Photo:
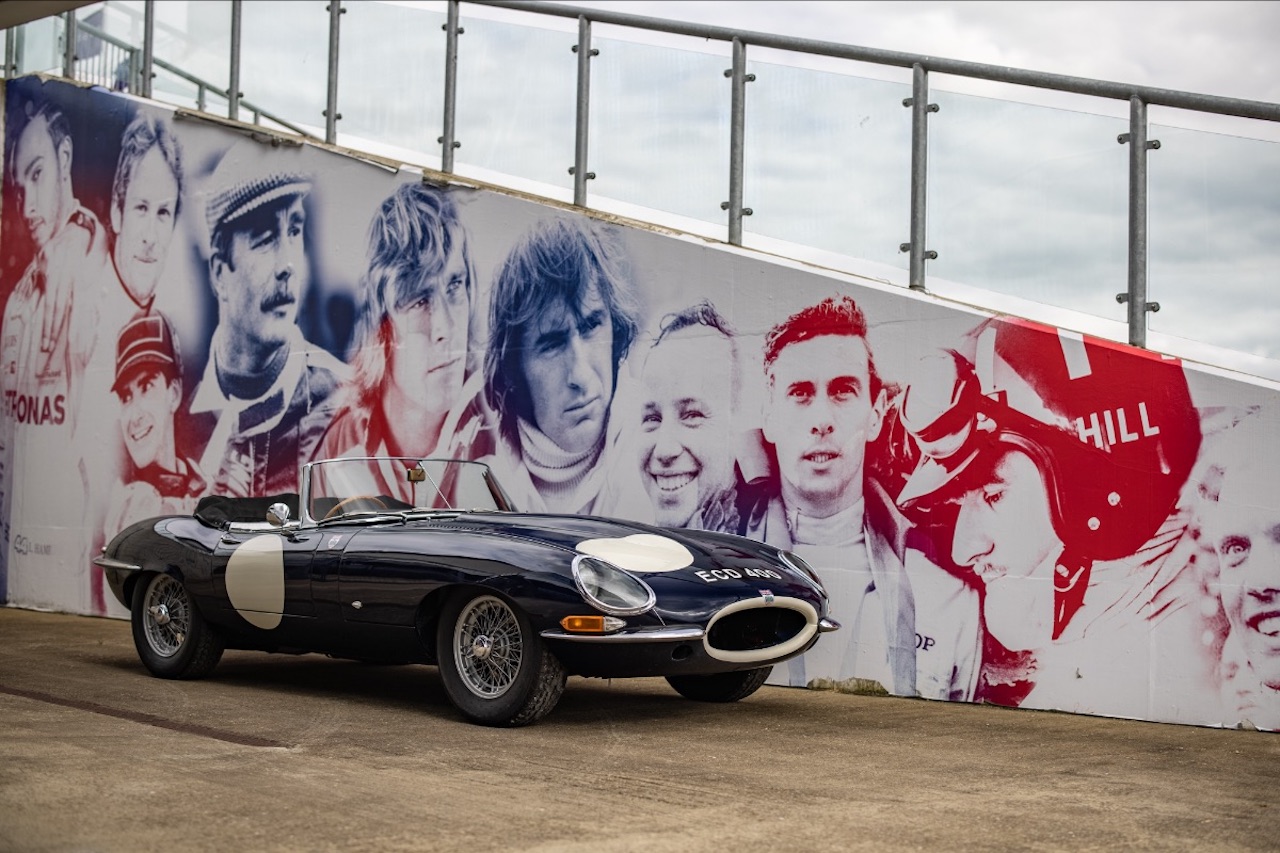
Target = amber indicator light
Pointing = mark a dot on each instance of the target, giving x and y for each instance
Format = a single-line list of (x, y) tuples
[(583, 624)]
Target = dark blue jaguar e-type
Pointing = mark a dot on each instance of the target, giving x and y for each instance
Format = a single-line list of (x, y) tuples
[(411, 560)]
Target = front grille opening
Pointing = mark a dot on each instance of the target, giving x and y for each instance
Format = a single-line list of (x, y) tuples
[(754, 629)]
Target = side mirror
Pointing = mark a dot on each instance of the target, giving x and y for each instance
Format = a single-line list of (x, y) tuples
[(278, 514)]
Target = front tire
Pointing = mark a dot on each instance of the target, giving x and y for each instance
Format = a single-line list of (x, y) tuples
[(169, 633), (495, 668), (721, 687)]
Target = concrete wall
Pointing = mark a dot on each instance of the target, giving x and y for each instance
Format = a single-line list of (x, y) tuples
[(1001, 511)]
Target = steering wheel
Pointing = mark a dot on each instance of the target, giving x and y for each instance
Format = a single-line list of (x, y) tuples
[(341, 505)]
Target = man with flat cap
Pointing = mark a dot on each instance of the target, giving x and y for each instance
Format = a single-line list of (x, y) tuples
[(157, 480), (266, 389)]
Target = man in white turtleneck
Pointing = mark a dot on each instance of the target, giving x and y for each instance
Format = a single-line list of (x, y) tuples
[(825, 404), (562, 319)]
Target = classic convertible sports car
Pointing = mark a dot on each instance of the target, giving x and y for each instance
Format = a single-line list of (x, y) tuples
[(418, 560)]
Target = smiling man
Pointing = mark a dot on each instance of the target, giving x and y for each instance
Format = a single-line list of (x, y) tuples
[(688, 421), (1238, 521), (146, 198), (562, 319), (267, 390), (149, 385)]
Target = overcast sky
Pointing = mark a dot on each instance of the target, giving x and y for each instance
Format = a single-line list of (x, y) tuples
[(1213, 48)]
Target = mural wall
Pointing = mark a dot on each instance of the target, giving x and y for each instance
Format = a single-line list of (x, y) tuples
[(1001, 511)]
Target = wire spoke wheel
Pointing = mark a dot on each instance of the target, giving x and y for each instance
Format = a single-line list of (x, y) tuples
[(495, 668), (169, 632), (488, 647), (166, 616)]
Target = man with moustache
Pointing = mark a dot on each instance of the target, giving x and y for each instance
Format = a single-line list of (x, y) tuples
[(413, 388), (266, 393), (562, 320), (688, 421), (826, 403)]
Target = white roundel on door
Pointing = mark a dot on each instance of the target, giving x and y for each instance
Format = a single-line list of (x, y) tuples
[(255, 581)]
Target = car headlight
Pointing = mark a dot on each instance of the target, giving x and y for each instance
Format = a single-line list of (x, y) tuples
[(796, 563), (609, 588)]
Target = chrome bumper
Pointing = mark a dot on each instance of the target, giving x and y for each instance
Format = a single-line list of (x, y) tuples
[(105, 562), (664, 634)]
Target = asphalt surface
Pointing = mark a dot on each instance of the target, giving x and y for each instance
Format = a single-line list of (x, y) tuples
[(278, 752)]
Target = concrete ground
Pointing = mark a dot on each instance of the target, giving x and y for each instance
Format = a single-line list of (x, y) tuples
[(306, 753)]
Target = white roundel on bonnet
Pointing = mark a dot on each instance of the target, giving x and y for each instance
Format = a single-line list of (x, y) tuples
[(255, 581), (642, 552)]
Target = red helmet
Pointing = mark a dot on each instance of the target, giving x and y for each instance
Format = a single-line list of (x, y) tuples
[(1111, 429)]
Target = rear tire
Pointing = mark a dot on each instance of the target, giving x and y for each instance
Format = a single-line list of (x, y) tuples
[(721, 687), (169, 633), (495, 668)]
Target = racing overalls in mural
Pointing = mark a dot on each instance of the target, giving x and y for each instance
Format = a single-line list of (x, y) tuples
[(359, 431), (907, 642), (255, 444), (45, 347)]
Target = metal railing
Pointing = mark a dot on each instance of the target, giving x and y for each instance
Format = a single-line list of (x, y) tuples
[(1138, 98), (120, 66)]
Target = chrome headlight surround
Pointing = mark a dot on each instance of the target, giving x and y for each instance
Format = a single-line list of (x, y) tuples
[(599, 579), (797, 564)]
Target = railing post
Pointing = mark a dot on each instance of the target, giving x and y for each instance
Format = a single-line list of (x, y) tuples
[(11, 51), (148, 46), (920, 109), (69, 44), (446, 140), (1136, 295), (135, 69), (233, 89), (737, 135), (582, 129), (331, 114)]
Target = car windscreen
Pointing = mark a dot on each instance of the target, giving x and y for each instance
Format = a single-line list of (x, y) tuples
[(343, 487)]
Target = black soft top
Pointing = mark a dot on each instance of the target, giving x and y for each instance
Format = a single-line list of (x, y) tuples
[(221, 512)]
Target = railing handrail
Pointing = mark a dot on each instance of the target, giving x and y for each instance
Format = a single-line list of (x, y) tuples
[(1137, 97), (1150, 95), (193, 79), (104, 36)]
